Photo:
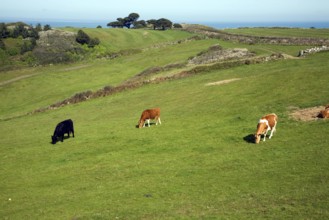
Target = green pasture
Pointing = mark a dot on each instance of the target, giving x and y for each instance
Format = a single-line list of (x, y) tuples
[(116, 39), (282, 32), (63, 81), (198, 164)]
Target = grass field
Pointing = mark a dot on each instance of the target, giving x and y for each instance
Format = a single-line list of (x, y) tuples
[(282, 32), (121, 39), (199, 164)]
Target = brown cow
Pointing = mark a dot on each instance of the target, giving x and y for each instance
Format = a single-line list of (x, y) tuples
[(265, 124), (149, 114)]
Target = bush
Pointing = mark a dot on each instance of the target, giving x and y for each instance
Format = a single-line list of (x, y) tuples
[(29, 59), (93, 42), (176, 25), (83, 38), (28, 46)]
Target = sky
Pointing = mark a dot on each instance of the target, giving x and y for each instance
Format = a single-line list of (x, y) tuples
[(174, 10)]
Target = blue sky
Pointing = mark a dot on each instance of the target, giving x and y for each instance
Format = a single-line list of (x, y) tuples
[(174, 10)]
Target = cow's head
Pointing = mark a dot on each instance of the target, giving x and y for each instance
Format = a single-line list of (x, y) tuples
[(140, 123), (53, 139), (257, 138)]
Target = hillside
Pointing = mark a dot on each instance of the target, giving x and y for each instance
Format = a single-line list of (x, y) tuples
[(200, 163)]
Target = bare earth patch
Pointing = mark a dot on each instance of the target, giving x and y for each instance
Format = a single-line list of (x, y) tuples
[(222, 82), (307, 114)]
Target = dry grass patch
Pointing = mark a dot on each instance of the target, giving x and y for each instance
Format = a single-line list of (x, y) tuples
[(222, 82), (306, 114)]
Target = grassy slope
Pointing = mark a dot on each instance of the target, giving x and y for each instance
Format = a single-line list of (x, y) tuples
[(62, 81), (195, 165), (122, 39), (59, 82), (282, 32)]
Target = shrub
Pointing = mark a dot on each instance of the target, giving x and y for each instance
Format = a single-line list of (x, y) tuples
[(93, 42), (176, 25), (28, 46), (82, 37)]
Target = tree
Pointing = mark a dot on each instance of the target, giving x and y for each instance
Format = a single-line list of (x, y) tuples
[(4, 33), (115, 24), (132, 17), (38, 27), (139, 24), (163, 24), (152, 22), (46, 27), (124, 22), (19, 30)]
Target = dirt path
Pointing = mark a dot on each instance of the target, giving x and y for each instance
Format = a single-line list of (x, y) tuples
[(17, 78), (35, 74)]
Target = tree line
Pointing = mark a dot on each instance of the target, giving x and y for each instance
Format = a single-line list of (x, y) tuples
[(30, 35), (131, 21), (15, 30), (20, 29)]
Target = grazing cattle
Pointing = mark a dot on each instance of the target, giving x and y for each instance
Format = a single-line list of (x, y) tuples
[(149, 114), (265, 124), (64, 127)]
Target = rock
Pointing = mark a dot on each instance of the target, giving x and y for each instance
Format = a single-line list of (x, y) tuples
[(54, 46)]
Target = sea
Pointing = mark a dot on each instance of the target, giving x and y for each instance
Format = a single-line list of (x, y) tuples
[(217, 25)]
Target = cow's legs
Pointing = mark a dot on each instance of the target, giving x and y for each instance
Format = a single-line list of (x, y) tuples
[(148, 123), (273, 130), (158, 121), (266, 133)]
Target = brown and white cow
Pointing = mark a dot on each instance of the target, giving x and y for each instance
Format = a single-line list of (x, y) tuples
[(265, 124), (148, 115)]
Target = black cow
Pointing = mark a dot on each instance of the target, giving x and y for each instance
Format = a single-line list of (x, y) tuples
[(64, 127)]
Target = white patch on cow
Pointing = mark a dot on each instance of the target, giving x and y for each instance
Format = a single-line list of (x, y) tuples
[(148, 122), (268, 127), (264, 121)]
